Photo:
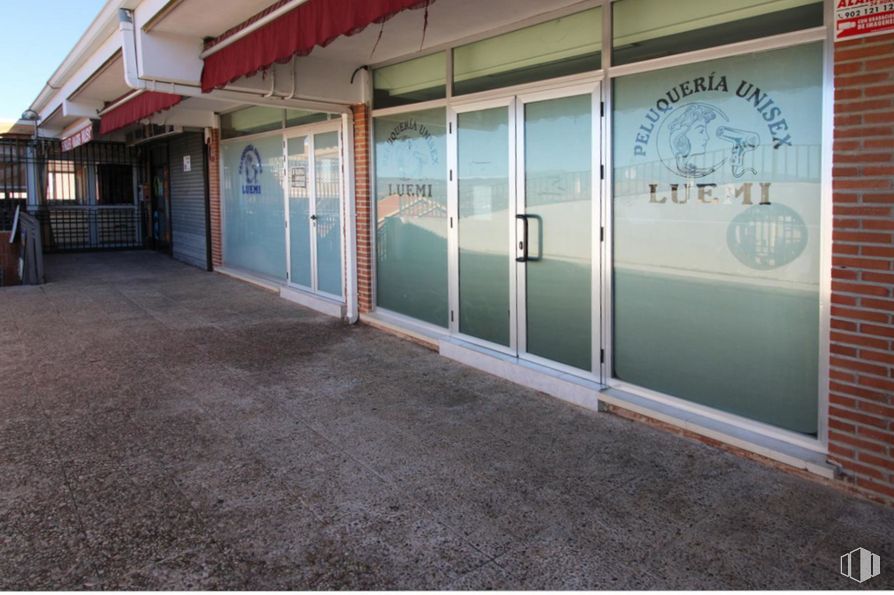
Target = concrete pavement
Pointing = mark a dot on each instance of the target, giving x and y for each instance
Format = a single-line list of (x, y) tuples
[(167, 428)]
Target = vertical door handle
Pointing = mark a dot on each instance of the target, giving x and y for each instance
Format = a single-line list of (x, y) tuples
[(523, 244)]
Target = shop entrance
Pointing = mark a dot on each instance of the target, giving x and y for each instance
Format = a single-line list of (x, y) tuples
[(159, 203), (314, 191), (525, 265)]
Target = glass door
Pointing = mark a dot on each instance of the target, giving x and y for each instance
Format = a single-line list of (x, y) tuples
[(314, 206), (485, 190), (299, 210), (555, 210), (526, 245), (326, 217)]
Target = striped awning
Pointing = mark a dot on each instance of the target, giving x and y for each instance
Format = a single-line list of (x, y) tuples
[(133, 110), (296, 33)]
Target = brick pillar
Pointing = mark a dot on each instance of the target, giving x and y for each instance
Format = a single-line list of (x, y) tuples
[(363, 207), (214, 197), (861, 390)]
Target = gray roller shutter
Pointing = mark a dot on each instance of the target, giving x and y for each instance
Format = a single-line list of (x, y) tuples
[(188, 221)]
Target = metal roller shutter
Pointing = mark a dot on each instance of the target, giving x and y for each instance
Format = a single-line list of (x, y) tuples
[(188, 220)]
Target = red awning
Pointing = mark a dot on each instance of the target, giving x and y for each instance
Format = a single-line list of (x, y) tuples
[(142, 106), (314, 23)]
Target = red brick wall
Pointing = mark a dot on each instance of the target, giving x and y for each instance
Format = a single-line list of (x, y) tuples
[(214, 196), (363, 207), (861, 390)]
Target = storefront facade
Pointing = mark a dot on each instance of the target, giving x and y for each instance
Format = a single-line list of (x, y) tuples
[(283, 201), (656, 227), (174, 192), (679, 211)]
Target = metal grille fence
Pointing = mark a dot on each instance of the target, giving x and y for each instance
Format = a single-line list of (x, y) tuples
[(8, 211), (85, 198)]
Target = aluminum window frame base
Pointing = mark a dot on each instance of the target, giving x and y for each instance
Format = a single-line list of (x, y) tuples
[(420, 332), (247, 277), (591, 395), (768, 447), (321, 304), (318, 303)]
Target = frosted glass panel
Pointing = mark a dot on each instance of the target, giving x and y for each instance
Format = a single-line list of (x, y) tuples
[(484, 221), (299, 211), (419, 79), (558, 202), (645, 29), (298, 117), (250, 120), (328, 212), (411, 214), (717, 233), (568, 45), (253, 217)]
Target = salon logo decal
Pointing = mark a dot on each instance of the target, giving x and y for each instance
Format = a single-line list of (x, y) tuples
[(250, 170), (698, 140), (414, 151), (695, 139)]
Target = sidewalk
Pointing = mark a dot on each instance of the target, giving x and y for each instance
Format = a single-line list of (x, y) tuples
[(166, 428)]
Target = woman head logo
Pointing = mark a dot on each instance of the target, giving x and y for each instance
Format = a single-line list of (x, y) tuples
[(250, 164), (689, 138), (687, 135)]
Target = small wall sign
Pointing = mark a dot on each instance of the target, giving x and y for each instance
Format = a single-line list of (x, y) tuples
[(187, 163), (298, 176), (861, 18), (81, 137)]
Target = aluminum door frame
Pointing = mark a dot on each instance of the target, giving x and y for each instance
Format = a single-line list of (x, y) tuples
[(515, 105), (309, 131), (594, 91), (453, 113)]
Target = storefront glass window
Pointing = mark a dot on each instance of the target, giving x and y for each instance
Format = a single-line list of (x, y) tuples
[(298, 117), (420, 79), (250, 120), (645, 29), (253, 214), (411, 214), (568, 45), (717, 233)]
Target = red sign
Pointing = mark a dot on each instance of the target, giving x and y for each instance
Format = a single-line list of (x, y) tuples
[(81, 137), (861, 18)]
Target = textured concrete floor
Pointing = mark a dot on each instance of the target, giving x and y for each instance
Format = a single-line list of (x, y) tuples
[(163, 427)]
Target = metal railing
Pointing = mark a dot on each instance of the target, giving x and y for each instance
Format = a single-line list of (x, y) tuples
[(69, 228)]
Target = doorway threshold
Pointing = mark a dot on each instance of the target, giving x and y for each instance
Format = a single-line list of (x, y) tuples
[(567, 387)]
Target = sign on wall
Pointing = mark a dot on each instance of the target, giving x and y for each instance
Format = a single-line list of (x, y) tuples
[(861, 18), (81, 137), (298, 177)]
